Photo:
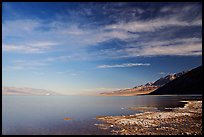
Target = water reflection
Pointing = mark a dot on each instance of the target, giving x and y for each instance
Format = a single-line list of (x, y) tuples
[(45, 114)]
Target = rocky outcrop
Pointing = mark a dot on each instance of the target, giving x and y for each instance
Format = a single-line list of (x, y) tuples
[(179, 121)]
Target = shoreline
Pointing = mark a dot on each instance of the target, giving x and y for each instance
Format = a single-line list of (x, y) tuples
[(185, 120), (197, 95)]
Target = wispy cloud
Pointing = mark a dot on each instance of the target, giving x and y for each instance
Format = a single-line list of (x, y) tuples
[(27, 27), (58, 58), (124, 65), (175, 47), (116, 31), (178, 9), (41, 36), (36, 64), (179, 47), (68, 73), (26, 65), (152, 25), (71, 36)]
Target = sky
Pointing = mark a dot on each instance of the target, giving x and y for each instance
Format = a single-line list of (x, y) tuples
[(81, 48)]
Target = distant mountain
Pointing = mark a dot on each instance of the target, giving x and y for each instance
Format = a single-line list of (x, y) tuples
[(187, 83), (25, 91), (139, 90)]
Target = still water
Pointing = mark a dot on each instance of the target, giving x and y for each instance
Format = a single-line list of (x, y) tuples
[(44, 115)]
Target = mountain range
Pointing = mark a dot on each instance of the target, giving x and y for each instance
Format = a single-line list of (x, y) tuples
[(185, 82)]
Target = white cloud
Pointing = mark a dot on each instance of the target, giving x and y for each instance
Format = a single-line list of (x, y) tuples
[(26, 65), (71, 36), (124, 65)]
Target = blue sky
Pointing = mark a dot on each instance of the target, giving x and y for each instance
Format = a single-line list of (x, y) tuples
[(80, 48)]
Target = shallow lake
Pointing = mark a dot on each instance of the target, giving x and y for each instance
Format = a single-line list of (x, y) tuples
[(44, 115)]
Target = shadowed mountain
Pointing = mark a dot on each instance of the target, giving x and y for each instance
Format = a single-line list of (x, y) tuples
[(188, 83)]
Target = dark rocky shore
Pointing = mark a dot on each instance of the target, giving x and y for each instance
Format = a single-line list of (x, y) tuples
[(178, 121)]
